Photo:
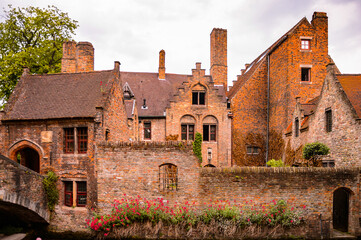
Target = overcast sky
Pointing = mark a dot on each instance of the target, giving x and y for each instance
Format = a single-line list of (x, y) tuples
[(134, 31)]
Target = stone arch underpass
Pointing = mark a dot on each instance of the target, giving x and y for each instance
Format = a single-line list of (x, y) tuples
[(22, 197)]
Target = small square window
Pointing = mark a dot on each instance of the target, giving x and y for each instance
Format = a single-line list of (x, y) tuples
[(253, 150), (305, 74), (328, 163), (198, 98), (305, 44)]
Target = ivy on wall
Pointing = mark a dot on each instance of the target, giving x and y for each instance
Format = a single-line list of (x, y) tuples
[(240, 143), (197, 146), (52, 193)]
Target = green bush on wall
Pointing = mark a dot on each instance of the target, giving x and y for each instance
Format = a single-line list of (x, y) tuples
[(197, 146), (312, 150), (52, 193)]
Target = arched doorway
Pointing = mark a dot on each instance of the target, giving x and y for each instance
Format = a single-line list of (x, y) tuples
[(341, 209), (29, 158)]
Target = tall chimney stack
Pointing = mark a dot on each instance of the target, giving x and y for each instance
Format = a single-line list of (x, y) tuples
[(161, 69), (219, 56), (68, 62), (84, 57)]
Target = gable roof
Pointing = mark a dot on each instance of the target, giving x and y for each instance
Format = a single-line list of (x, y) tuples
[(157, 93), (64, 95), (351, 84), (261, 59)]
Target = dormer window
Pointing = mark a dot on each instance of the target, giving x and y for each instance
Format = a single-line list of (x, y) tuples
[(305, 44), (198, 98)]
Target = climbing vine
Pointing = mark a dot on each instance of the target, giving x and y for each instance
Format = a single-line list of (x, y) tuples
[(197, 146), (52, 193)]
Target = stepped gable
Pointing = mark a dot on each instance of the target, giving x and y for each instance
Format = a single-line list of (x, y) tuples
[(351, 84), (259, 60), (66, 95), (155, 92)]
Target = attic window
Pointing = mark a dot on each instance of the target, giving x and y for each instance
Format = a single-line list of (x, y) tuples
[(305, 44), (198, 98)]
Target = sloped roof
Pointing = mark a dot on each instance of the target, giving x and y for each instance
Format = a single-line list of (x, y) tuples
[(259, 60), (65, 95), (157, 93), (309, 107), (351, 84)]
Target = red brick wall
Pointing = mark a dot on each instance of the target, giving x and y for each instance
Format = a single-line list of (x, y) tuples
[(133, 169), (249, 108)]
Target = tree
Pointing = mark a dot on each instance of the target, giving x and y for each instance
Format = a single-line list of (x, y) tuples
[(311, 151), (31, 37)]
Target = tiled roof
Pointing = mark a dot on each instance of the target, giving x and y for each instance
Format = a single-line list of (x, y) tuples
[(259, 60), (351, 84), (309, 107), (157, 93), (66, 95)]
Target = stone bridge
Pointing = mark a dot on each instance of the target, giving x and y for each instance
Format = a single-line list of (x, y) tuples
[(22, 196)]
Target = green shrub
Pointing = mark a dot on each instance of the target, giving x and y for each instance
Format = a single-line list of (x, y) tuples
[(276, 163), (52, 193), (312, 150), (197, 146)]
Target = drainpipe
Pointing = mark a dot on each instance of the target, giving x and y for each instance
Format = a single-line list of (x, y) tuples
[(268, 103)]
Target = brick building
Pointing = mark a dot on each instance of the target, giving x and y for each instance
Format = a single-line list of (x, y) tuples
[(162, 106), (52, 122), (332, 118), (263, 97)]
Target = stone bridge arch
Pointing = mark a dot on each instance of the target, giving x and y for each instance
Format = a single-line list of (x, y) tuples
[(22, 196)]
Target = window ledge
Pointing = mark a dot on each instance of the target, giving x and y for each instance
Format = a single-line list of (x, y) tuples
[(78, 209), (305, 50), (305, 82)]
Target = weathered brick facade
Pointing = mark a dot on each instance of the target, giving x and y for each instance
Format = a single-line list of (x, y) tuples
[(344, 138), (38, 134), (263, 98), (214, 111)]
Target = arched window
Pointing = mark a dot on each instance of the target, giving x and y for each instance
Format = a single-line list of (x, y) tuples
[(168, 177), (210, 129), (29, 158), (187, 127)]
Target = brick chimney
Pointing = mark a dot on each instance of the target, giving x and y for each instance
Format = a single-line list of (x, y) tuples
[(219, 67), (161, 69), (77, 57), (320, 23), (84, 57), (68, 62)]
